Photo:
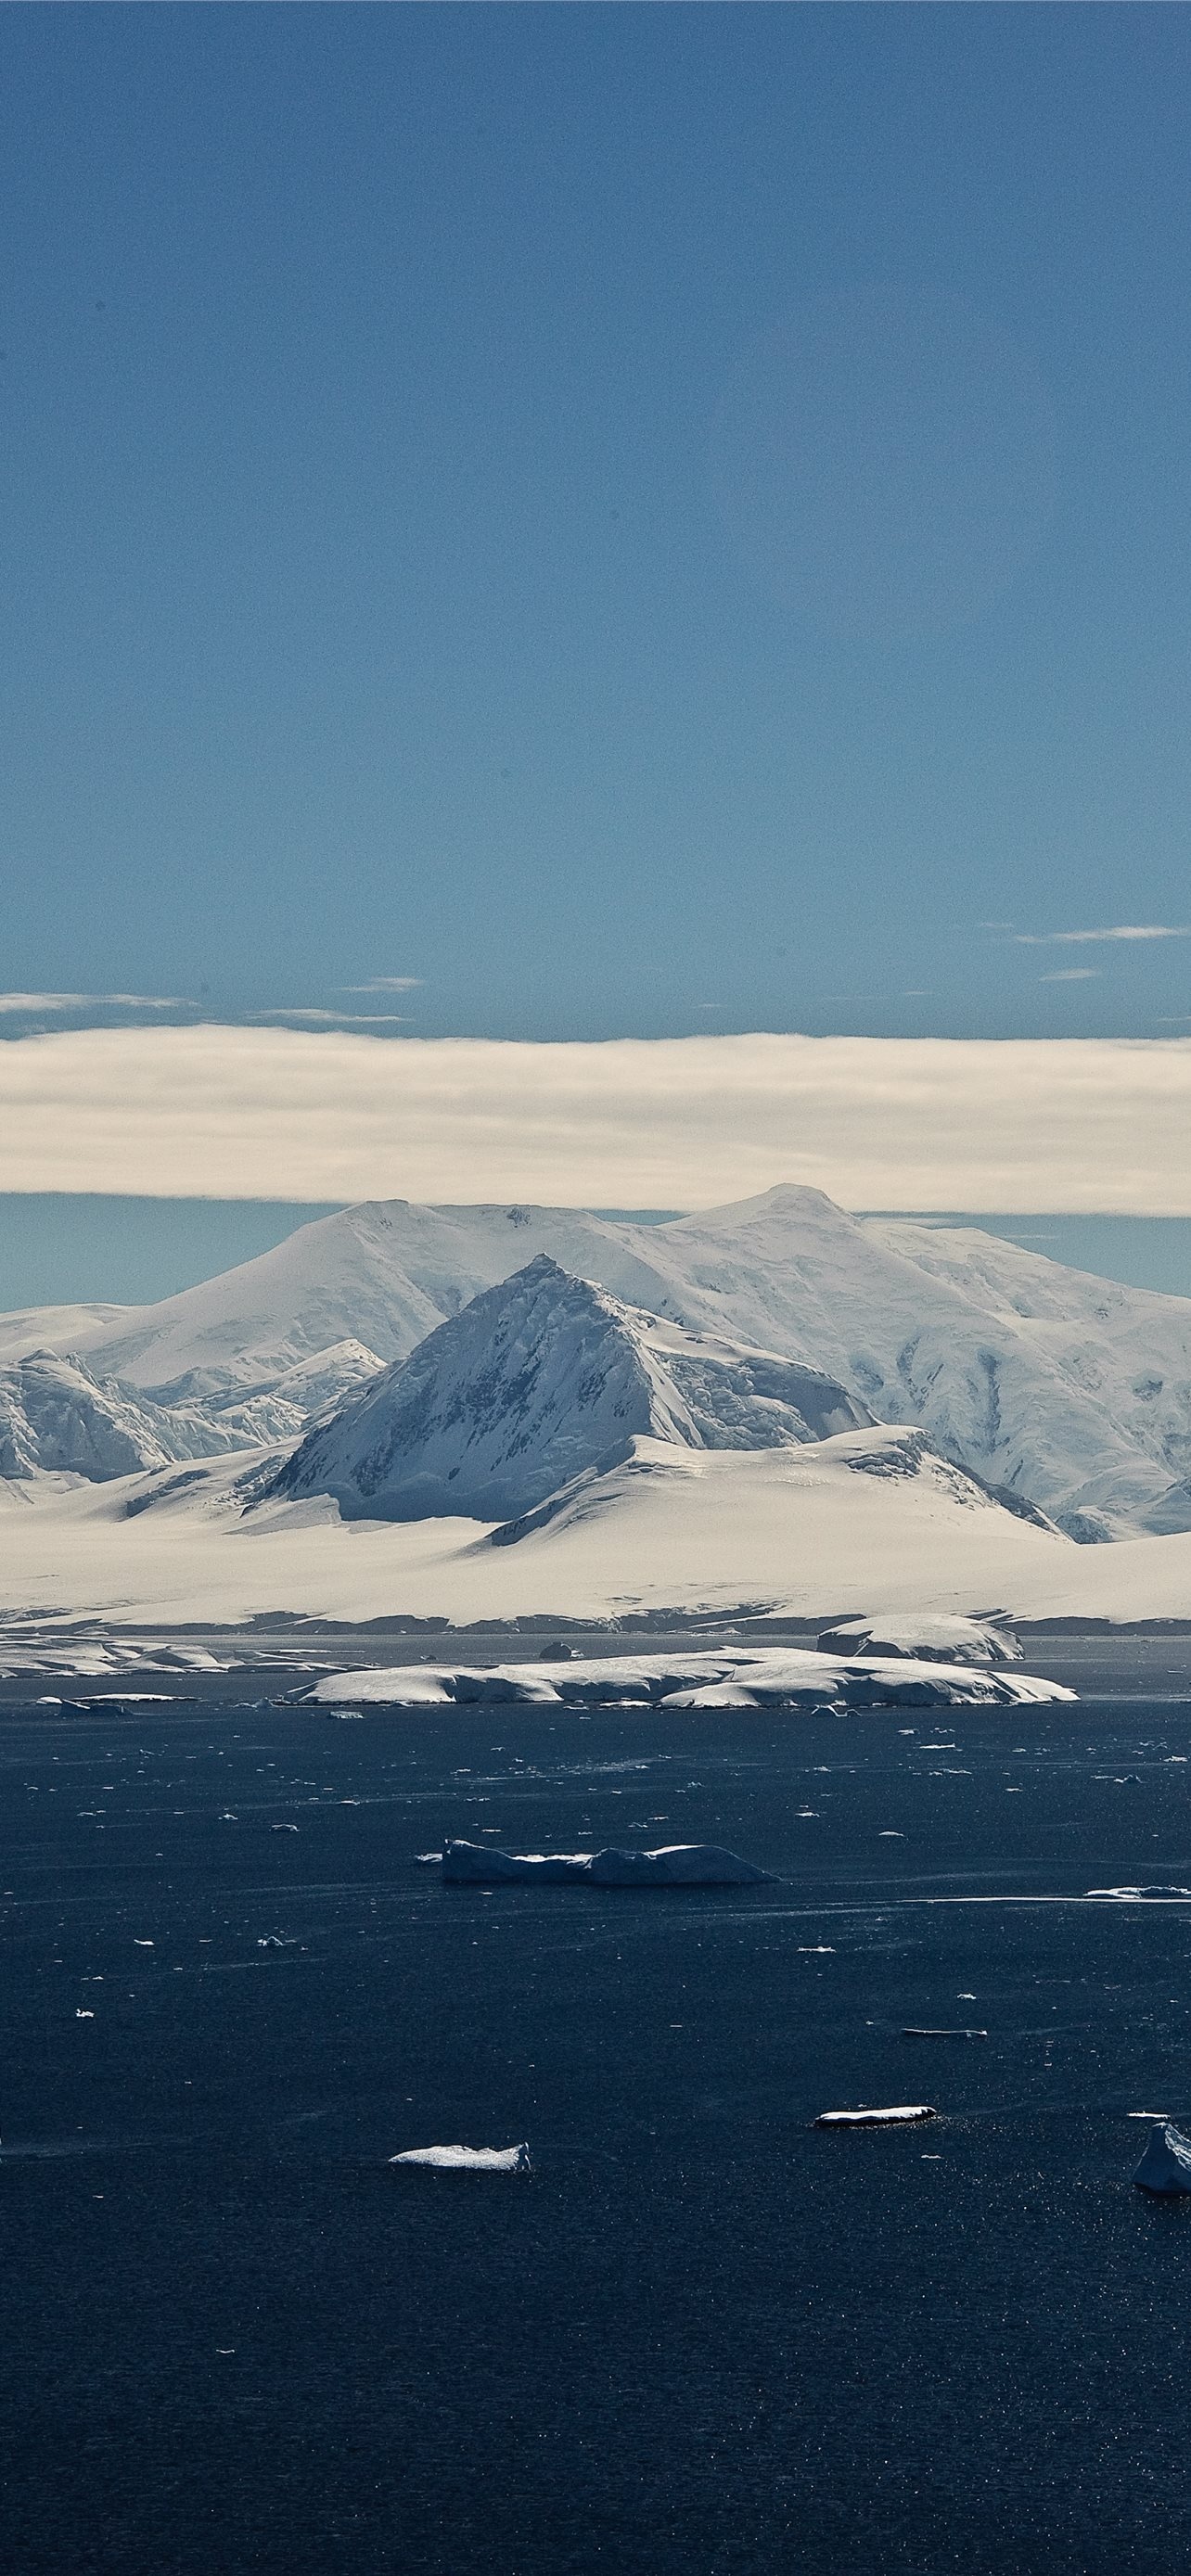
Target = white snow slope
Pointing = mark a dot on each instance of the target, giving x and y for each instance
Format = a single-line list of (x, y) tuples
[(1069, 1389), (867, 1520), (869, 1523), (538, 1380)]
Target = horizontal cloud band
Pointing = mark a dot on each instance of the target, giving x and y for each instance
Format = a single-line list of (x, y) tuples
[(1081, 1125)]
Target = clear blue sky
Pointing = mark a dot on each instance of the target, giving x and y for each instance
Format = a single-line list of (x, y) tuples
[(642, 518)]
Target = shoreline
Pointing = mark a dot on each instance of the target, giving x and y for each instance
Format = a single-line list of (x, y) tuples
[(266, 1658)]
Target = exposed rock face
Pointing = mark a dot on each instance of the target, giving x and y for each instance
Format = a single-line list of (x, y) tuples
[(537, 1381)]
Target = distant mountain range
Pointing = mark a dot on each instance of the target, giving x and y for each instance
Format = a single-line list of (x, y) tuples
[(778, 1319)]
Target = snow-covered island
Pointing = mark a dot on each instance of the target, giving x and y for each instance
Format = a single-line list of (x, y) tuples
[(740, 1677)]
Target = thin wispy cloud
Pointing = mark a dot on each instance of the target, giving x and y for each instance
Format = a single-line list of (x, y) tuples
[(333, 1019), (1075, 1125), (1125, 930), (1073, 975), (98, 1007), (29, 1005), (384, 984)]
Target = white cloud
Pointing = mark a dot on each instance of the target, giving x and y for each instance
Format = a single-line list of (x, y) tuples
[(38, 1005), (1016, 1124), (1073, 975), (1092, 938)]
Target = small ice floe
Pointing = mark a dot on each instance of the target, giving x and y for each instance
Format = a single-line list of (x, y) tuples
[(674, 1865), (1166, 2164), (468, 2159), (1136, 1895), (899, 2116), (428, 1860), (81, 2013), (915, 2030), (283, 1829)]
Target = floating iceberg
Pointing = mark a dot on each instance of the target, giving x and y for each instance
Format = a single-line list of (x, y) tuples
[(898, 2117), (1166, 2164), (1138, 1895), (468, 2159), (674, 1865)]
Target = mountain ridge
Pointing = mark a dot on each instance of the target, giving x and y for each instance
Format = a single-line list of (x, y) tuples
[(1045, 1381)]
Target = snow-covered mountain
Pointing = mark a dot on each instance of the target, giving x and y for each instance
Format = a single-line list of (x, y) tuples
[(1071, 1390), (539, 1380), (57, 1418)]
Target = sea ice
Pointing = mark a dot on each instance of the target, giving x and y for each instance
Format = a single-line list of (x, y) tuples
[(915, 2030)]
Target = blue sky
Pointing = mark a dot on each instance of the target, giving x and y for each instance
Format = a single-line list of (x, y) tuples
[(643, 519), (579, 523)]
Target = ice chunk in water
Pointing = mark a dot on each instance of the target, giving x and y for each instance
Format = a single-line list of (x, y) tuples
[(468, 2159), (1166, 2164), (894, 2118)]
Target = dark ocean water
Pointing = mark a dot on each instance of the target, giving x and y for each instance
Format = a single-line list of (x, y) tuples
[(700, 2335)]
